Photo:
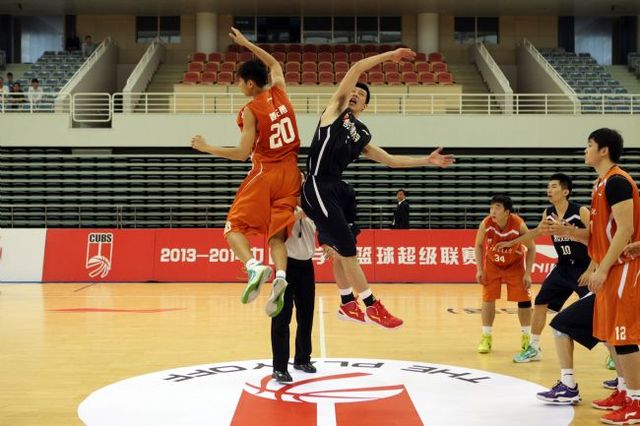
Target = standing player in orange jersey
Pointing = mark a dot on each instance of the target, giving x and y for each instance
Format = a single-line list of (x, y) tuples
[(266, 200), (503, 265)]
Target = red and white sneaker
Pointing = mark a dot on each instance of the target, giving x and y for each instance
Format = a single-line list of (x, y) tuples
[(351, 312), (615, 401), (627, 415), (379, 315)]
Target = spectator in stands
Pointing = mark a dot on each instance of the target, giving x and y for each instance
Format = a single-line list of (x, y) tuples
[(88, 46), (3, 92), (401, 212), (72, 43), (10, 81), (35, 94), (16, 97)]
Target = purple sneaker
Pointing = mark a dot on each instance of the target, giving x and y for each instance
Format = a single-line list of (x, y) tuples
[(560, 394), (610, 384)]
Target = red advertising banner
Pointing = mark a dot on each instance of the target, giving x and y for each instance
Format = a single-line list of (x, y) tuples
[(178, 255), (98, 255)]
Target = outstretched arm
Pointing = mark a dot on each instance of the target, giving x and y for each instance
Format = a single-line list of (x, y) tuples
[(277, 76), (379, 155), (340, 98), (240, 152)]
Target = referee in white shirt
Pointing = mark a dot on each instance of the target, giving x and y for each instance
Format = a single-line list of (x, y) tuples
[(301, 291)]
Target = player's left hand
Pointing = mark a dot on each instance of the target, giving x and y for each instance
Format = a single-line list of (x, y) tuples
[(198, 143), (596, 280), (632, 249), (527, 281), (401, 54), (238, 37), (441, 160)]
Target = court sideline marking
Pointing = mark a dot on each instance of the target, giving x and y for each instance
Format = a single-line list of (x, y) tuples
[(323, 343)]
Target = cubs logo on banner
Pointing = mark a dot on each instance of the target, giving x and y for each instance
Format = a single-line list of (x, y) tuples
[(344, 392), (99, 255)]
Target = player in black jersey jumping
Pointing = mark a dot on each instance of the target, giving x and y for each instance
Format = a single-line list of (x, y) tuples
[(573, 260), (338, 141)]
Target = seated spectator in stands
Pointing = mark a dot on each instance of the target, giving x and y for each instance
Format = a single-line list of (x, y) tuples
[(88, 47), (16, 97), (72, 43), (10, 81), (35, 94)]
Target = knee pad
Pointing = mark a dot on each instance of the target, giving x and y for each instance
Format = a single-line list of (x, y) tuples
[(626, 349), (557, 333), (524, 305)]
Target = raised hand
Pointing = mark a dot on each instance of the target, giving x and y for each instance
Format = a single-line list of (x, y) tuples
[(402, 54), (441, 160), (238, 37), (198, 143)]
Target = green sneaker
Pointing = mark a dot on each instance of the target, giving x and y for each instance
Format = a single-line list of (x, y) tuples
[(525, 341), (485, 344), (528, 355), (276, 300), (258, 275), (611, 364)]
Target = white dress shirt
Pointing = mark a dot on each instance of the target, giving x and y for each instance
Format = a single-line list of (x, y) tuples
[(301, 244)]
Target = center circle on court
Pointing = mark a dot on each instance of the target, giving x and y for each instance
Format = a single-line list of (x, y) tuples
[(344, 391)]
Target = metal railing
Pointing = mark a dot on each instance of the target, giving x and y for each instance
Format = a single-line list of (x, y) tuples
[(100, 107)]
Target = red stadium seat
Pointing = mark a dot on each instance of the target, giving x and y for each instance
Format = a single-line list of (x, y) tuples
[(309, 57), (393, 78), (198, 57), (356, 48), (370, 48), (208, 77), (376, 78), (325, 57), (375, 68), (292, 77), (385, 48), (225, 78), (228, 67), (214, 57), (341, 66), (409, 78), (309, 78), (212, 67), (436, 57), (309, 67), (245, 56), (325, 48), (339, 48), (444, 78), (294, 48), (266, 47), (389, 67), (422, 67), (292, 67), (364, 77), (339, 76), (405, 66), (195, 66), (294, 56), (426, 78), (279, 48), (233, 48), (280, 56), (420, 57), (325, 67), (230, 57), (438, 67), (370, 54), (309, 48), (326, 78), (341, 57), (191, 77), (355, 56)]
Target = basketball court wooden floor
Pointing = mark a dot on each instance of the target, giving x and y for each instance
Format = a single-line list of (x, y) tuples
[(61, 342)]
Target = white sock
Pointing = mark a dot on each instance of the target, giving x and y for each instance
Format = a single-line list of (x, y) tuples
[(345, 291), (633, 393), (365, 294), (566, 377), (526, 329), (281, 274), (251, 263), (535, 341), (622, 385), (487, 329)]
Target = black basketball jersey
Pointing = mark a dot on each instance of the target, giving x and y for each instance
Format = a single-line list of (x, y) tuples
[(335, 146), (569, 251)]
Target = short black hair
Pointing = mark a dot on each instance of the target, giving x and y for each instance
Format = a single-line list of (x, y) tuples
[(34, 80), (254, 70), (403, 191), (364, 87), (608, 138), (503, 199), (564, 180), (9, 74)]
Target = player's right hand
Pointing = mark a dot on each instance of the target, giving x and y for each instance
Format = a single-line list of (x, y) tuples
[(583, 281), (632, 249), (480, 277), (198, 143), (401, 54), (238, 37)]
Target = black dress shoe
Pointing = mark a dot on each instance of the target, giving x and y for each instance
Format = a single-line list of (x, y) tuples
[(282, 377), (307, 367)]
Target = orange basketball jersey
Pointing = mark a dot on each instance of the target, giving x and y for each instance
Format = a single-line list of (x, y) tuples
[(603, 225), (277, 135), (494, 235)]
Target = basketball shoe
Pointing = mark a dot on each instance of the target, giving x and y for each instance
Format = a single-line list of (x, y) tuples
[(351, 311), (276, 299), (379, 315), (629, 414), (610, 384), (485, 344), (258, 275), (560, 394), (527, 355), (615, 401)]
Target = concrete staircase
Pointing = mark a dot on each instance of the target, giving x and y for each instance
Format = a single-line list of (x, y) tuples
[(162, 82), (472, 83), (626, 78)]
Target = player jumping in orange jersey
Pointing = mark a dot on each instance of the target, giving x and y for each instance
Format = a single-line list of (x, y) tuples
[(503, 265), (266, 200)]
